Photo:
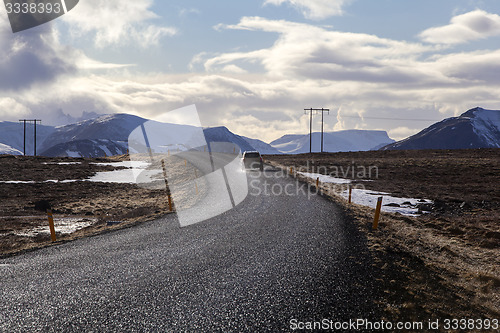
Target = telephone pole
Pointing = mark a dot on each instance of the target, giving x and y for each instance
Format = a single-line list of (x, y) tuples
[(311, 110), (322, 113), (34, 121)]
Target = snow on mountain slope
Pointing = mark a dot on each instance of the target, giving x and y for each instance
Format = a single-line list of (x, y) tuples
[(115, 127), (222, 134), (87, 148), (476, 128), (348, 140), (8, 150), (486, 125), (261, 146)]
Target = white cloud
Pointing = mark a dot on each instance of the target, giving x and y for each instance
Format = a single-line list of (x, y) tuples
[(470, 26), (234, 69), (10, 109), (314, 9), (307, 66), (116, 22), (402, 132), (306, 51)]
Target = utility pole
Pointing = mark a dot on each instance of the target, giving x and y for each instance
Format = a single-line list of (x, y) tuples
[(310, 127), (24, 144), (34, 121), (322, 113), (311, 110)]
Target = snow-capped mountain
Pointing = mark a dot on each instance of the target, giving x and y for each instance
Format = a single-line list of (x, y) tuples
[(109, 135), (8, 150), (476, 128), (348, 140), (115, 127)]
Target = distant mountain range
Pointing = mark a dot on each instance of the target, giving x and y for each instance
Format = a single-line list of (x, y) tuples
[(104, 135), (349, 140), (108, 135), (476, 128)]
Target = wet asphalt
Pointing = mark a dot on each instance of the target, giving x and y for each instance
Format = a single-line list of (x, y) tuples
[(283, 255)]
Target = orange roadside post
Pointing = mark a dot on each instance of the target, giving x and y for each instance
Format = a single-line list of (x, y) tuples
[(377, 213), (51, 225)]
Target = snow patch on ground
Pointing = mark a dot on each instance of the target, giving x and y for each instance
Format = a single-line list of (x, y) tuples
[(125, 176), (407, 206), (63, 163), (404, 206)]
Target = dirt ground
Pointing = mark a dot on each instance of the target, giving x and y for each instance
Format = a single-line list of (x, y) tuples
[(96, 206), (444, 263)]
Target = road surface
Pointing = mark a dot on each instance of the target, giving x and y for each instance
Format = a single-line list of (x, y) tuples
[(275, 258)]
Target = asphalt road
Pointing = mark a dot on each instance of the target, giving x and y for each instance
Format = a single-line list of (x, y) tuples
[(274, 258)]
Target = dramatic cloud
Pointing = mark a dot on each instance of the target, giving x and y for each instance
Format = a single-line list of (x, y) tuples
[(463, 28), (365, 80), (31, 57), (116, 22), (306, 51), (314, 9)]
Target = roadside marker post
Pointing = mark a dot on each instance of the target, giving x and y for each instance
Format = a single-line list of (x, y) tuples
[(195, 177), (377, 213), (317, 183), (51, 225), (169, 203), (166, 186), (350, 194)]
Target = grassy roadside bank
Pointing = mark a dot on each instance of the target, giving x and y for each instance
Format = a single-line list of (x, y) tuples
[(28, 184), (443, 264)]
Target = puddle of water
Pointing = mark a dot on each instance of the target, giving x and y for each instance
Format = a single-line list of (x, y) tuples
[(63, 225), (62, 163)]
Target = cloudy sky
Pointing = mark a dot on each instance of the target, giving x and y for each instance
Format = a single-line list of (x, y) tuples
[(253, 66)]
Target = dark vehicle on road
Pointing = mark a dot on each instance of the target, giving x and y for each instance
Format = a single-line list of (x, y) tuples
[(252, 160)]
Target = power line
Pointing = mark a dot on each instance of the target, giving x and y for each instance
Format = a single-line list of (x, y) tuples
[(384, 118), (311, 110)]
